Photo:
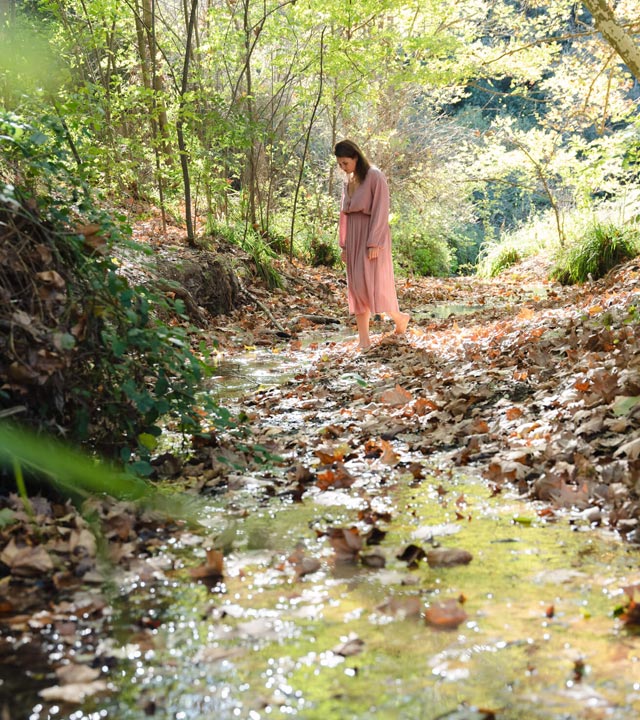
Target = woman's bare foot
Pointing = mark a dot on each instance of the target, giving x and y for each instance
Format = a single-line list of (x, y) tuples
[(401, 320)]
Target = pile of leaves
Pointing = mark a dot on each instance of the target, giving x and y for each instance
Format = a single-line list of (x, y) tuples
[(41, 324)]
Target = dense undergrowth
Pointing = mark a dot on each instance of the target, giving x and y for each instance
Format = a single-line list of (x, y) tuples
[(85, 353)]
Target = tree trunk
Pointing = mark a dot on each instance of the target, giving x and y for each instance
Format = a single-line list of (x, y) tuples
[(149, 21), (306, 144), (184, 158), (615, 34)]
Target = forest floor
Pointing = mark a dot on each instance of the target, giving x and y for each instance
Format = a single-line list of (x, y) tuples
[(533, 385)]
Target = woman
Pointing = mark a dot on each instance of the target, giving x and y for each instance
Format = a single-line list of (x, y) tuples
[(365, 241)]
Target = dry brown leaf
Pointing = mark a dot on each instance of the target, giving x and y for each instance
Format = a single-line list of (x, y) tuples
[(445, 615), (448, 557), (340, 478), (211, 569), (74, 673), (51, 277), (351, 646), (346, 543), (397, 397), (26, 560), (74, 693)]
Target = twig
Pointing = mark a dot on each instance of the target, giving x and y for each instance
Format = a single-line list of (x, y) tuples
[(263, 307)]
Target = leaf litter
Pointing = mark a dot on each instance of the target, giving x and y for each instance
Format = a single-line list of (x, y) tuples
[(538, 394)]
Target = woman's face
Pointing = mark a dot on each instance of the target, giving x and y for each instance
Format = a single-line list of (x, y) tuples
[(347, 164)]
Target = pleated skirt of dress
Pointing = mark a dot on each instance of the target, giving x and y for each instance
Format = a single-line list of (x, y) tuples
[(371, 283)]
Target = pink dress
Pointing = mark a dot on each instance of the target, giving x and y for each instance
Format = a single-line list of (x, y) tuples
[(364, 223)]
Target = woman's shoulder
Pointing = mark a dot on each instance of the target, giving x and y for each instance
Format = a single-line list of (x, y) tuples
[(375, 175), (376, 172)]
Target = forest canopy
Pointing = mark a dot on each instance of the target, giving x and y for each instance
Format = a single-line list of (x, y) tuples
[(483, 115)]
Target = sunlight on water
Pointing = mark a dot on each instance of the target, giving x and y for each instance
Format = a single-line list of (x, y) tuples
[(540, 639)]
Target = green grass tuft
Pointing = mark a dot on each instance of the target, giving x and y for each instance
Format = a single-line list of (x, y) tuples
[(602, 247)]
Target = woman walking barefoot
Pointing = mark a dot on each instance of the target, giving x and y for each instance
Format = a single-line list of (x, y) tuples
[(365, 242)]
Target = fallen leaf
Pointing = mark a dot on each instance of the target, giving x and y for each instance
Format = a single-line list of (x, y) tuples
[(74, 693), (303, 564), (26, 560), (346, 543), (339, 478), (397, 397), (402, 606), (351, 646), (412, 555), (212, 569), (448, 557), (51, 277), (76, 674), (446, 615)]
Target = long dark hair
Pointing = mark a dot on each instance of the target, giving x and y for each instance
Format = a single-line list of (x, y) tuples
[(347, 148)]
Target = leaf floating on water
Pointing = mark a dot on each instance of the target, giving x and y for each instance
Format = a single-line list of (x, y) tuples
[(445, 615), (212, 569), (303, 564), (375, 560), (346, 543), (353, 645), (402, 607), (412, 555), (448, 557)]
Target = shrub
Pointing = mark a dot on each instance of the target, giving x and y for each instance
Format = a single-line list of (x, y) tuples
[(323, 251), (601, 248), (89, 356), (432, 258), (502, 258)]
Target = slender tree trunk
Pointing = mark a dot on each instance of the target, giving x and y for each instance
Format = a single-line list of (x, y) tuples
[(306, 143), (149, 21), (154, 121), (184, 158), (615, 34), (252, 160)]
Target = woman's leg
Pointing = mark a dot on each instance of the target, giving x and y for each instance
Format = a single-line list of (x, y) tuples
[(401, 320), (362, 321)]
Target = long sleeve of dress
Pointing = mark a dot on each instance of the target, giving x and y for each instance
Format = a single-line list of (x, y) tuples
[(342, 223), (379, 233)]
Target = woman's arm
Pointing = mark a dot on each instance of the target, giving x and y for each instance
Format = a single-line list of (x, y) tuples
[(379, 234)]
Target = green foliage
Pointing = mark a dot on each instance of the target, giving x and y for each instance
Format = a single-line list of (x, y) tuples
[(258, 247), (536, 237), (125, 364), (324, 251), (501, 257), (415, 250), (66, 469), (601, 248)]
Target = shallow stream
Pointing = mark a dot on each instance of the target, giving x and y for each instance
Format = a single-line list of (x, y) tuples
[(349, 640), (540, 639)]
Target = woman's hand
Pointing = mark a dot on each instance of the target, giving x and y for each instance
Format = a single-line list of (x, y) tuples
[(343, 254), (373, 253)]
